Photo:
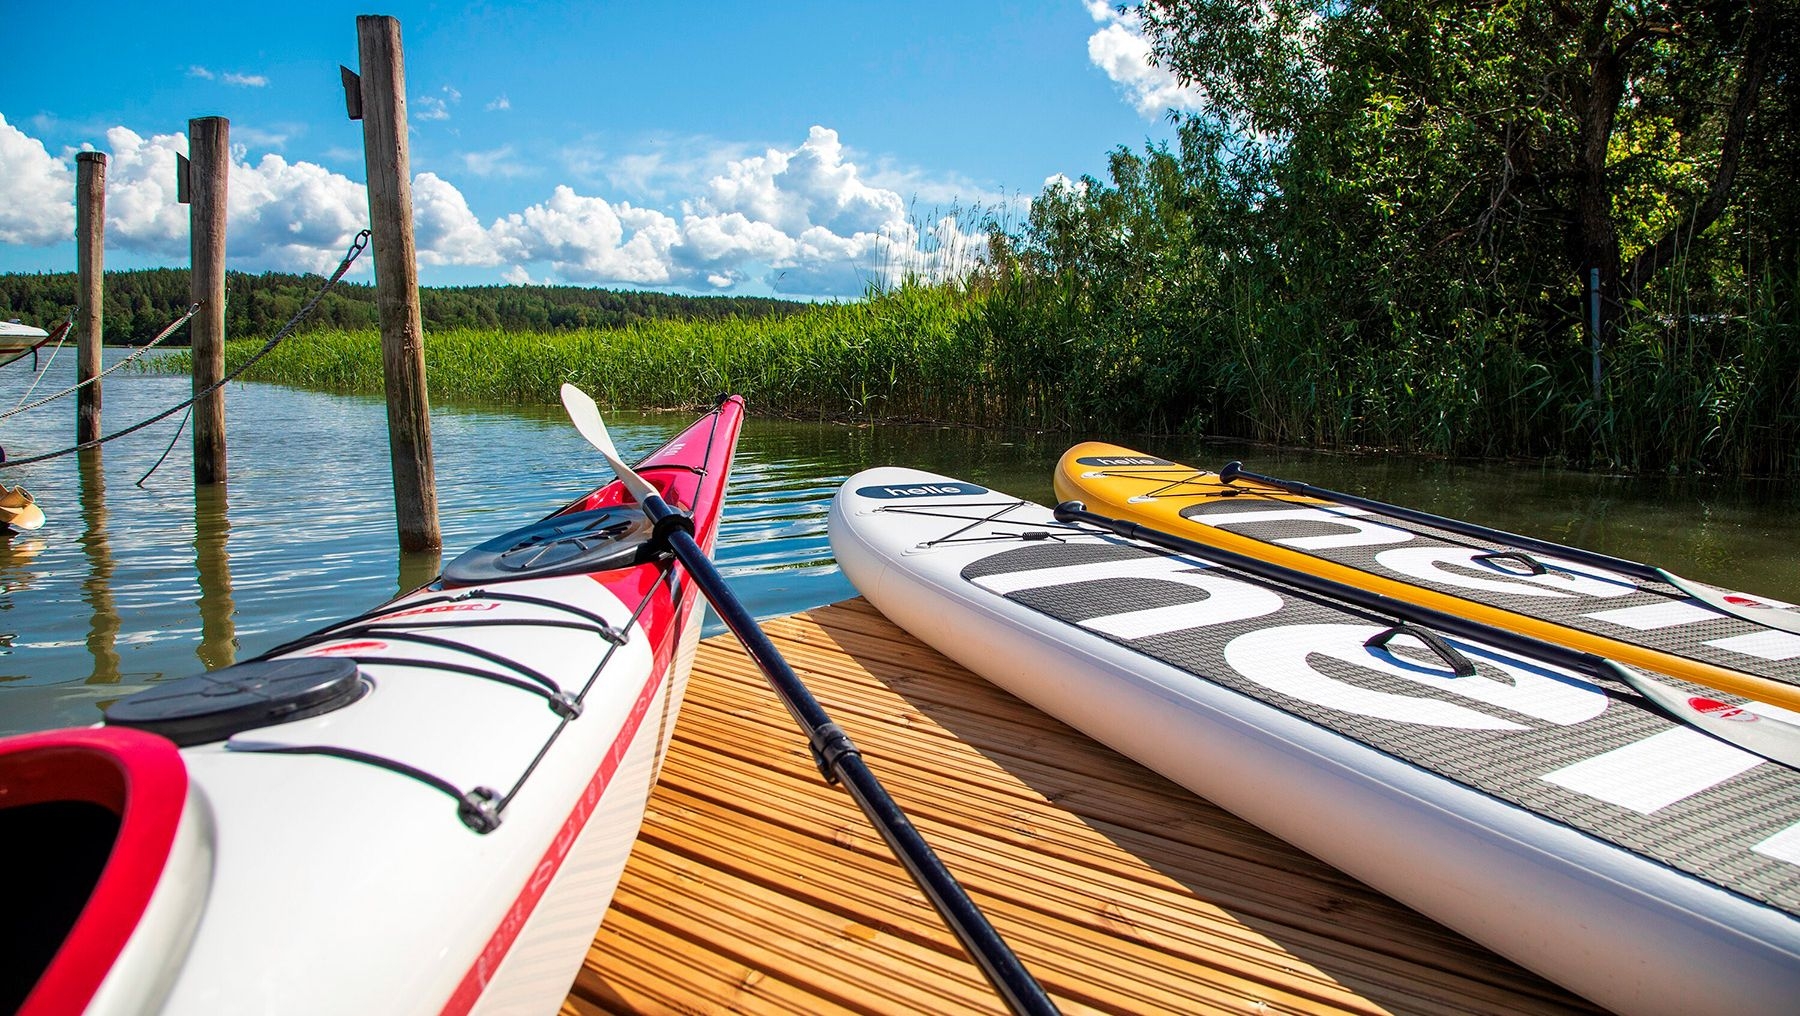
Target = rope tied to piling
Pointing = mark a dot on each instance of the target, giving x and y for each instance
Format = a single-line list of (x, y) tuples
[(357, 246), (79, 385)]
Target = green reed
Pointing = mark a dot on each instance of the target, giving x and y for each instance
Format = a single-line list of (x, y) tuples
[(1231, 359), (902, 355)]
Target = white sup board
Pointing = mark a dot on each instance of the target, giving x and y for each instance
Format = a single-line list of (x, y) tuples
[(1556, 819)]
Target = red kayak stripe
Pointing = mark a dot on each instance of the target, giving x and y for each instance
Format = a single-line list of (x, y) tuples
[(488, 961)]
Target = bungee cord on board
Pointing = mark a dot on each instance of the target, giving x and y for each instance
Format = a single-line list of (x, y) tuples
[(357, 246)]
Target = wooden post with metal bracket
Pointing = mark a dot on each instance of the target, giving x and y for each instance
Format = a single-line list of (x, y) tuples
[(378, 98), (203, 176)]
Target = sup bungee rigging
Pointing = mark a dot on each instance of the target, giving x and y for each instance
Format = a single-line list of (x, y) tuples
[(1037, 532), (833, 752), (1633, 613), (1764, 736)]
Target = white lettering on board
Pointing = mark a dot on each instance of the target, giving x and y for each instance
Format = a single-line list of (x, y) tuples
[(1565, 579), (1279, 658), (1227, 599), (1655, 772), (1361, 532)]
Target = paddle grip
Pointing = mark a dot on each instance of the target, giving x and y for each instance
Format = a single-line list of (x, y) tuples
[(1234, 471)]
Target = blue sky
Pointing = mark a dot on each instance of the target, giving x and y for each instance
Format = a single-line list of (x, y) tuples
[(789, 148)]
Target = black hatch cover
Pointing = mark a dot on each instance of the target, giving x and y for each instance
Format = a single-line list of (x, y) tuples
[(219, 703)]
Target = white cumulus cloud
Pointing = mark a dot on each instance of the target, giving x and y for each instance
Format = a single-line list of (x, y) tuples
[(804, 220), (37, 191), (588, 239), (1120, 49), (291, 215), (444, 229), (809, 186), (141, 212)]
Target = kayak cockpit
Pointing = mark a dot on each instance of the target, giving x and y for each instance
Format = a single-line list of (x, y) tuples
[(88, 825)]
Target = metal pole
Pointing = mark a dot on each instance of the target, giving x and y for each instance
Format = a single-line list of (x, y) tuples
[(383, 109), (209, 170), (90, 288)]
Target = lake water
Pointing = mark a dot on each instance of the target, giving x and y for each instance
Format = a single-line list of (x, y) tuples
[(127, 584)]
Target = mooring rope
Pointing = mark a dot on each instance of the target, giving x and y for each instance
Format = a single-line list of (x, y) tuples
[(357, 246), (79, 385), (172, 439)]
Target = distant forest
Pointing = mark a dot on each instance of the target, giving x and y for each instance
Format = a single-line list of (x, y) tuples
[(139, 304)]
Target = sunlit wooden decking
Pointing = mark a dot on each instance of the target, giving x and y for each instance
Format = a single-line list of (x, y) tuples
[(756, 888)]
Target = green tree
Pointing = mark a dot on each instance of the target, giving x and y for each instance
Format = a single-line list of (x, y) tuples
[(1605, 134)]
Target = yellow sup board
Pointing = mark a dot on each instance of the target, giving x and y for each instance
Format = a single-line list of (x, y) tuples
[(1636, 621)]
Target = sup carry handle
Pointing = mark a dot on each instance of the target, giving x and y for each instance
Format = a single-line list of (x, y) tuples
[(1773, 740), (1500, 638), (839, 761)]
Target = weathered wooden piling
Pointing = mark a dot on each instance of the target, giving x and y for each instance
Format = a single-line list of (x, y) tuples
[(208, 171), (90, 288), (382, 97)]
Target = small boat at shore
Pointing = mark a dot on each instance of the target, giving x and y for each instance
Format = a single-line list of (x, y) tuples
[(19, 511), (1530, 798), (423, 808), (16, 337)]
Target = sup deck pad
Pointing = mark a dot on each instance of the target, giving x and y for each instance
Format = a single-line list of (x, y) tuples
[(1555, 743)]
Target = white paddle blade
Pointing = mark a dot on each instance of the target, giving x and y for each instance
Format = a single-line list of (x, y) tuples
[(585, 415), (1738, 605), (1759, 734)]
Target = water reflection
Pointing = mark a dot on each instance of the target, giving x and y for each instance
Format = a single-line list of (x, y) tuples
[(212, 526), (117, 592), (16, 552), (418, 567), (97, 589)]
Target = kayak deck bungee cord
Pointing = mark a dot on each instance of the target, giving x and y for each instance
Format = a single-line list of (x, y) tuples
[(425, 808), (1635, 620), (1549, 813)]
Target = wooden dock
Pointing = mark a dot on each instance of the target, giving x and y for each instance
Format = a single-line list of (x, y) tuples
[(756, 888)]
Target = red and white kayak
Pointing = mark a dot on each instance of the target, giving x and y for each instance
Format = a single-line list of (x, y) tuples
[(425, 808)]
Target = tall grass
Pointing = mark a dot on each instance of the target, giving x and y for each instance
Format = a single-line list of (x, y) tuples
[(1683, 393), (904, 355)]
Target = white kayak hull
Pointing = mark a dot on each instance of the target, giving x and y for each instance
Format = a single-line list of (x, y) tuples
[(444, 837)]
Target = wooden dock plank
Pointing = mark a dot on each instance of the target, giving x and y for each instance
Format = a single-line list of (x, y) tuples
[(756, 888)]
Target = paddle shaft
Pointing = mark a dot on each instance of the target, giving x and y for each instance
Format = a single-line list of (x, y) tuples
[(839, 757), (1234, 471), (1778, 742), (1500, 638)]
